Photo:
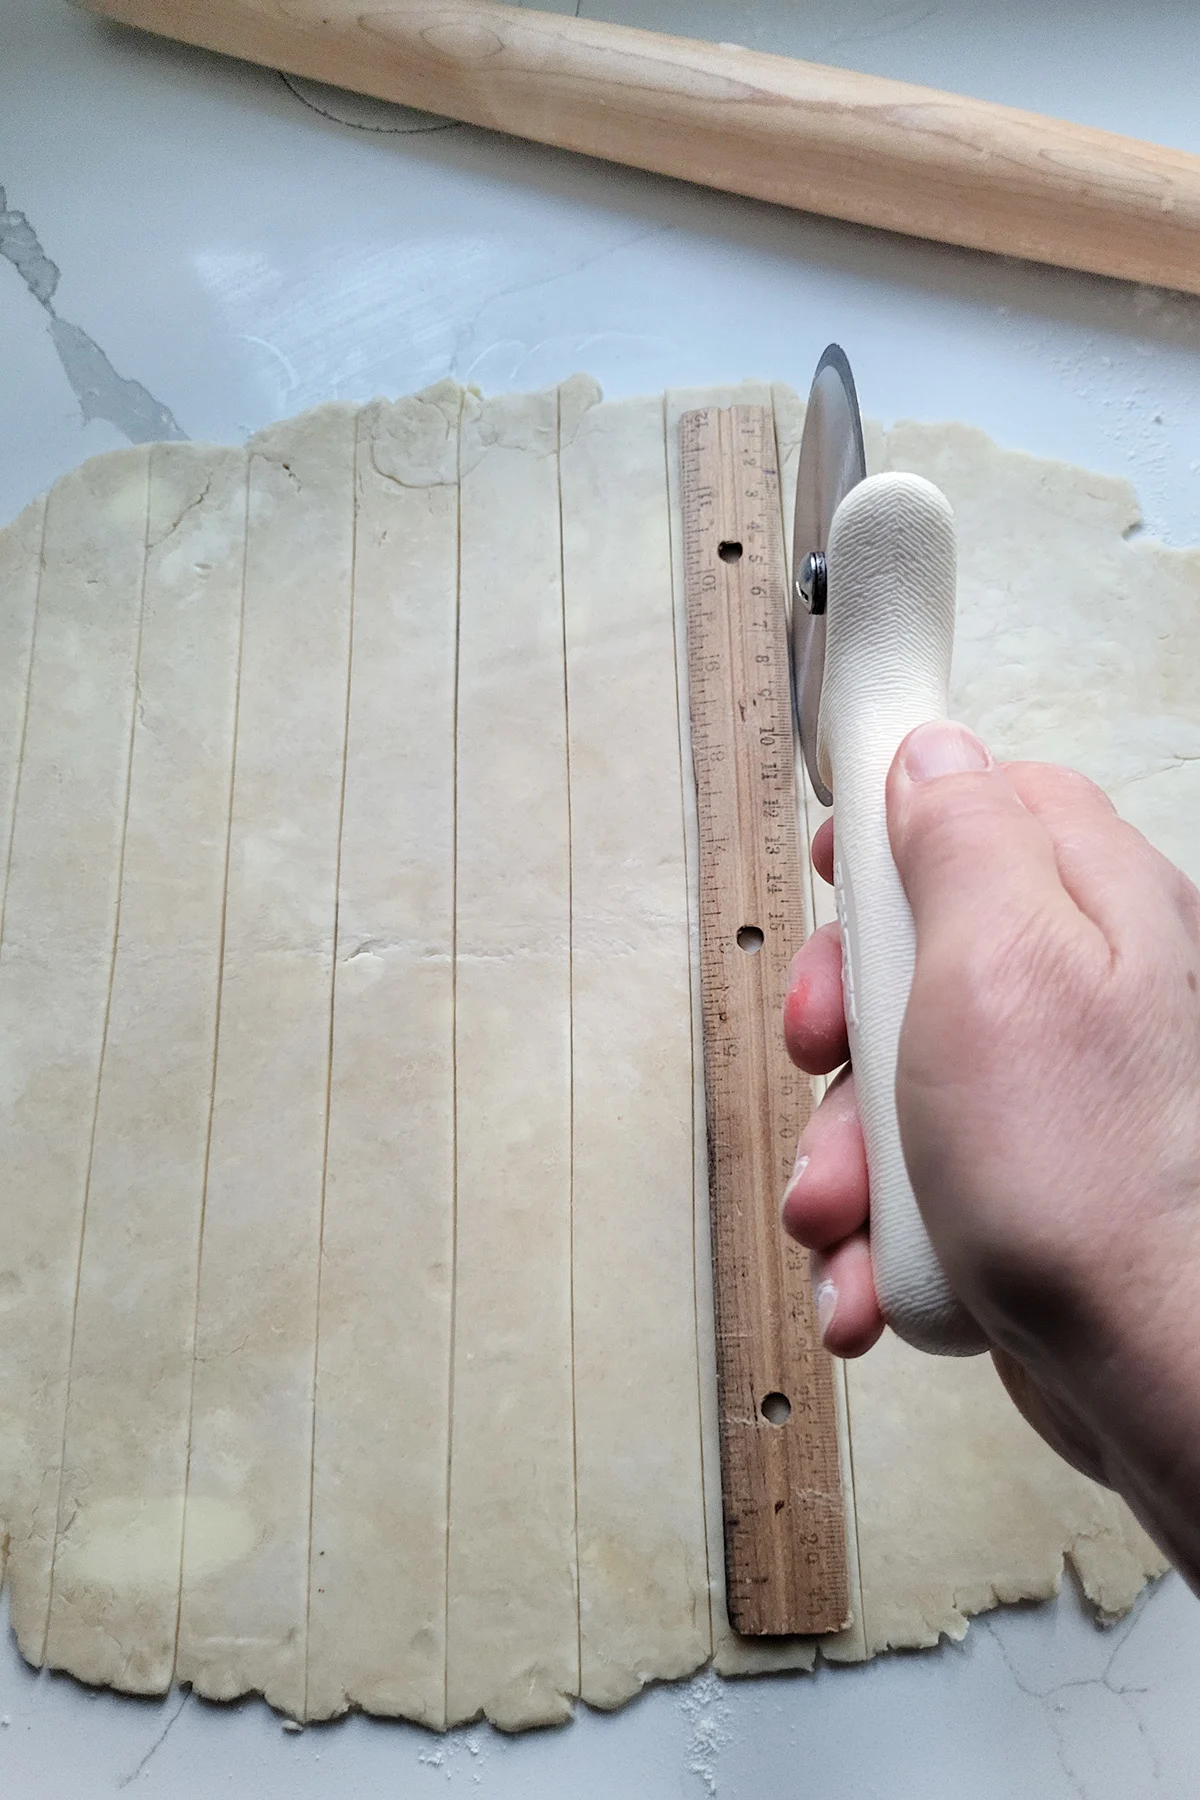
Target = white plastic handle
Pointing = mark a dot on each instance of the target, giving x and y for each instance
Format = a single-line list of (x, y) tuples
[(889, 637)]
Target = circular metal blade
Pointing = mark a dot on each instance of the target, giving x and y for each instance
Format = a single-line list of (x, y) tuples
[(832, 461)]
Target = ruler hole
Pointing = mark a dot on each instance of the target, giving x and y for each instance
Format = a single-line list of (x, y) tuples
[(749, 938), (729, 550), (776, 1409)]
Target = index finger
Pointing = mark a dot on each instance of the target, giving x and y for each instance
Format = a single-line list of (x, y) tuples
[(822, 850)]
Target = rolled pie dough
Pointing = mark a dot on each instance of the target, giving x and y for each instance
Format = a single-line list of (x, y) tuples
[(356, 1338)]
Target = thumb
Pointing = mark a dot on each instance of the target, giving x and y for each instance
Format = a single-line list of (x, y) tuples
[(970, 855)]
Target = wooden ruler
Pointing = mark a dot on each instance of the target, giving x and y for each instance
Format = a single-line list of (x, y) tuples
[(785, 1548)]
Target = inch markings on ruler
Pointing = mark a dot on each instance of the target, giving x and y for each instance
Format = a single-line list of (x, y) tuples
[(785, 1544)]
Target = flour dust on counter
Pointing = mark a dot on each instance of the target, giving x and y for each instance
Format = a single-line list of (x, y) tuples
[(356, 1318)]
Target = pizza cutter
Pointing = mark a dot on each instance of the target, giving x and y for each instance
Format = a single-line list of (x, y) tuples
[(872, 632)]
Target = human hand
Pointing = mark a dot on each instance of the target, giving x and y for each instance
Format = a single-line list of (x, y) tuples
[(1048, 1093)]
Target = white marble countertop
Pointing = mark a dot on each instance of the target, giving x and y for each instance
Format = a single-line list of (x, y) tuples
[(192, 247)]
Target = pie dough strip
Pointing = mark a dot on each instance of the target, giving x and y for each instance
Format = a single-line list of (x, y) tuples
[(20, 571), (643, 1560), (55, 969), (115, 1593), (378, 1597), (512, 1624), (247, 1524)]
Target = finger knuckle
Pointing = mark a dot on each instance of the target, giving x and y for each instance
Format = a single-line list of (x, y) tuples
[(1053, 785), (1028, 981), (948, 832)]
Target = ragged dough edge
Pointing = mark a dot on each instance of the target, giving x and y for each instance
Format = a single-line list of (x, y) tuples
[(1006, 1514), (1109, 1553)]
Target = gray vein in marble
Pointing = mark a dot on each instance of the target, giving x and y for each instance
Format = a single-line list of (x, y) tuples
[(128, 1780), (1048, 1696), (100, 391)]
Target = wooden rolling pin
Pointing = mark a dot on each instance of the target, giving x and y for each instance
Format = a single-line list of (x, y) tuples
[(856, 147)]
